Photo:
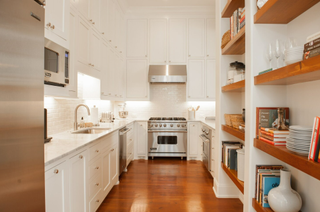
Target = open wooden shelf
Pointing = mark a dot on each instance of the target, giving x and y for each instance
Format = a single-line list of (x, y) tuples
[(304, 71), (282, 153), (235, 87), (233, 176), (259, 208), (237, 45), (230, 7), (235, 132), (282, 11)]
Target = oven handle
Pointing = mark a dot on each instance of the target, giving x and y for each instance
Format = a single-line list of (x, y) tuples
[(204, 139), (173, 131)]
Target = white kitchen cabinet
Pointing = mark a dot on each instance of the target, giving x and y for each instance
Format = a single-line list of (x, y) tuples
[(111, 73), (119, 77), (210, 79), (211, 38), (158, 40), (106, 165), (77, 182), (137, 80), (141, 130), (95, 51), (56, 188), (95, 18), (83, 7), (57, 21), (83, 41), (193, 139), (196, 80), (73, 74), (114, 164), (104, 71), (196, 38), (104, 17), (118, 46), (111, 22), (177, 40), (137, 38)]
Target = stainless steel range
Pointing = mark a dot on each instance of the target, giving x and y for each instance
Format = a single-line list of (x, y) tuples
[(167, 137)]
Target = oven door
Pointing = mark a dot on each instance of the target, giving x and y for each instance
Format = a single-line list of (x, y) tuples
[(167, 141), (205, 151)]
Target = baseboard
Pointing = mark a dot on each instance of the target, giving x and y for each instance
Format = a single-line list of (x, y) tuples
[(225, 190)]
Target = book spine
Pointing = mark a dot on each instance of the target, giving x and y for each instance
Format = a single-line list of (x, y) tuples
[(242, 19), (231, 27), (238, 20), (312, 138), (311, 53), (267, 141), (316, 139), (312, 45)]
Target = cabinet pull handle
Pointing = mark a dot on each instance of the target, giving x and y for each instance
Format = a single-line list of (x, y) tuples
[(56, 171), (112, 150), (97, 184), (80, 156), (97, 151), (97, 167)]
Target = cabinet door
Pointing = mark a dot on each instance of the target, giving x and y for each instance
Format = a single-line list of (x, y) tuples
[(56, 188), (83, 8), (195, 82), (137, 38), (111, 73), (77, 168), (211, 38), (111, 22), (118, 31), (104, 70), (177, 40), (118, 77), (83, 40), (106, 176), (158, 40), (137, 79), (193, 139), (114, 164), (95, 14), (73, 74), (104, 14), (211, 79), (95, 51), (196, 38), (142, 141)]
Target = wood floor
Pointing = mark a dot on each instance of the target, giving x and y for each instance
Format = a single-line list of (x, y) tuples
[(166, 185)]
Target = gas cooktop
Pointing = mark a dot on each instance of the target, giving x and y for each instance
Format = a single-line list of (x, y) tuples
[(167, 119)]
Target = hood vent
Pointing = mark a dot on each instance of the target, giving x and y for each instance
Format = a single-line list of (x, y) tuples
[(167, 74)]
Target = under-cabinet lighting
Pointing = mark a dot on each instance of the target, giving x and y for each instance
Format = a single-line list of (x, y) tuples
[(167, 70)]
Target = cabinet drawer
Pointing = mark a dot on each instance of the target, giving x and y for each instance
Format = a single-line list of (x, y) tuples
[(95, 184), (130, 149), (129, 159), (94, 151), (95, 202), (110, 140), (94, 168)]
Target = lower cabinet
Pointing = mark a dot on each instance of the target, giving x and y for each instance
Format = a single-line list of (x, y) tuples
[(77, 182), (142, 139), (194, 140), (56, 188)]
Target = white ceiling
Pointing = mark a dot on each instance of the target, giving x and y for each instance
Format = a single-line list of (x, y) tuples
[(183, 3)]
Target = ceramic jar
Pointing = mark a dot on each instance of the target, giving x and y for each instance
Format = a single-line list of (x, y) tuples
[(284, 198)]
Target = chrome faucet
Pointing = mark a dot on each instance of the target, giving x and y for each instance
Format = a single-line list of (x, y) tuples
[(76, 116)]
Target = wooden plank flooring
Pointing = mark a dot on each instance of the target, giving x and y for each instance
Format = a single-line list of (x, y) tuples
[(166, 185)]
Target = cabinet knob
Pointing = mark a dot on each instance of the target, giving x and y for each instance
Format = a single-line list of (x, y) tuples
[(90, 20), (116, 95), (102, 33), (120, 51), (97, 200), (189, 96), (207, 55), (97, 184), (97, 167), (169, 61), (93, 23), (207, 96), (56, 171), (110, 41), (80, 156), (146, 55), (97, 150), (109, 93), (52, 27), (49, 24), (90, 64), (189, 55), (112, 150), (116, 47), (165, 61)]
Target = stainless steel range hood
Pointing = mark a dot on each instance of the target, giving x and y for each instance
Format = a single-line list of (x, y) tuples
[(167, 73)]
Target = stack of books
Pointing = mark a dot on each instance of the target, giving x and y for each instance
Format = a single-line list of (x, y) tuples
[(267, 177), (229, 153), (237, 21), (274, 136), (315, 141), (311, 49)]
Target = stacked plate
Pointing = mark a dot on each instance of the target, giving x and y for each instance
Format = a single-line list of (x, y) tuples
[(294, 54), (299, 139)]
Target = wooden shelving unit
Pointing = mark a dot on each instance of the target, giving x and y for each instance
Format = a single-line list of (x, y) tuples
[(233, 176), (230, 7), (259, 208), (235, 132), (304, 71), (237, 45), (282, 153), (235, 87), (273, 11)]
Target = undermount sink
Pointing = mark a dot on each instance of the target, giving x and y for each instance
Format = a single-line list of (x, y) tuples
[(91, 131)]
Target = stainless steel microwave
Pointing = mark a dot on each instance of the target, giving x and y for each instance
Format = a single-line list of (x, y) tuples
[(56, 64)]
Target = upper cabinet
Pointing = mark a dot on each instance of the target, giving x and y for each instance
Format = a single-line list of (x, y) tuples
[(137, 38), (95, 16), (83, 7), (83, 41), (211, 37), (158, 41), (195, 82), (196, 38), (177, 40), (111, 22), (211, 80), (137, 80), (57, 21)]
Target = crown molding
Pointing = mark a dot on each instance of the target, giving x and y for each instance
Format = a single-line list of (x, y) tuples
[(134, 10)]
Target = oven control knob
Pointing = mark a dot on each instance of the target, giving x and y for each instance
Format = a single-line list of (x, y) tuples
[(171, 125), (178, 125), (183, 125), (156, 125), (165, 125), (160, 125), (151, 125)]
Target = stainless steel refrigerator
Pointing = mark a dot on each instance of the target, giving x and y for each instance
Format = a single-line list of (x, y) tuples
[(21, 106)]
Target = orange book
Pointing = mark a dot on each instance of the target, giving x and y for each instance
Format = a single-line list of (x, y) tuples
[(314, 139)]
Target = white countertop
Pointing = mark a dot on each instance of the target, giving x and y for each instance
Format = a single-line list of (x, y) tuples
[(66, 143)]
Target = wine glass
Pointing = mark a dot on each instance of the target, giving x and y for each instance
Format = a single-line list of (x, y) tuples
[(277, 52), (283, 51), (270, 55)]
